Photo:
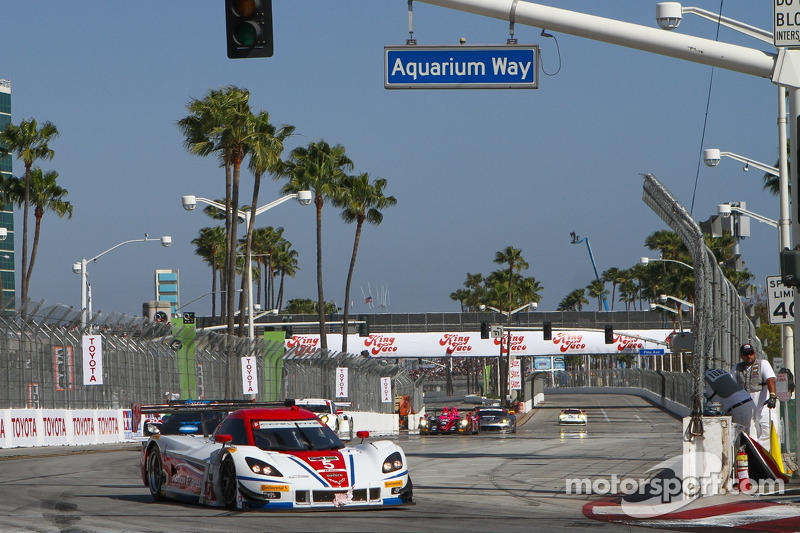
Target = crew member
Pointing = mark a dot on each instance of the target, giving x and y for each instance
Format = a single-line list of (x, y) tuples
[(721, 387), (758, 379)]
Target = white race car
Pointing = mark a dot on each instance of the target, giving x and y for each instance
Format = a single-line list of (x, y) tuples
[(572, 416), (327, 411), (279, 458)]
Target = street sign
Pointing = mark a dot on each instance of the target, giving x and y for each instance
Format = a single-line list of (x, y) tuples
[(786, 23), (656, 351), (461, 67), (780, 300), (782, 387)]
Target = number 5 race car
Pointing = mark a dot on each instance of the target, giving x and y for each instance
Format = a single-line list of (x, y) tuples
[(275, 458)]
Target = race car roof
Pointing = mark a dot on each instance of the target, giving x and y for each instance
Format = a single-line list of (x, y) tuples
[(278, 413)]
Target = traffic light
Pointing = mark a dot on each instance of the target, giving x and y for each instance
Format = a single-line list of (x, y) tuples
[(363, 328), (249, 28), (547, 331), (609, 334), (790, 267), (60, 370), (484, 330)]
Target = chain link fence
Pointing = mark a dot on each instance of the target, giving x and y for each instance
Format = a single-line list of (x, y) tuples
[(42, 365)]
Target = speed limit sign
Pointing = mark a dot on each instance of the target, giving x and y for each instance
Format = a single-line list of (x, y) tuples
[(781, 301)]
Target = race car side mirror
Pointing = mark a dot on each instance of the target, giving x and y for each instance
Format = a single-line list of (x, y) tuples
[(362, 434), (222, 439), (339, 411)]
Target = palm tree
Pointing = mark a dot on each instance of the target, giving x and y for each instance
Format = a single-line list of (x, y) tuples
[(612, 275), (574, 301), (45, 195), (221, 123), (319, 168), (284, 261), (265, 145), (513, 258), (597, 289), (210, 245), (361, 201), (265, 240), (30, 143)]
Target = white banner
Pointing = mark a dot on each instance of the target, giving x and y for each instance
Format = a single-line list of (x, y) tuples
[(386, 390), (249, 375), (470, 344), (515, 375), (92, 360), (341, 382)]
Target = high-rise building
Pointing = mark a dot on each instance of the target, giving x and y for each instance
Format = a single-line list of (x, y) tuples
[(6, 210), (168, 289)]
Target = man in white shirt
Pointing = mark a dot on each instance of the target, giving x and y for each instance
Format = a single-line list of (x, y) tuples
[(758, 379)]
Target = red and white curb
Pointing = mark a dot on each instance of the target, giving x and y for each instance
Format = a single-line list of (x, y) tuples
[(713, 512)]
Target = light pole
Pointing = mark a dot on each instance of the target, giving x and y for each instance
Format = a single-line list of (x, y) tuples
[(576, 239), (80, 268), (646, 261), (189, 202)]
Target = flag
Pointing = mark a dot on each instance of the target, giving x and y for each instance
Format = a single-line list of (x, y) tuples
[(368, 300), (775, 447)]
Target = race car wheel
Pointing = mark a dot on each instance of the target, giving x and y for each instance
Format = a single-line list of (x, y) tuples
[(228, 482), (155, 473)]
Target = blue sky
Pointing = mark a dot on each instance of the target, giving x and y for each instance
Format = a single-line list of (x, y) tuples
[(473, 171)]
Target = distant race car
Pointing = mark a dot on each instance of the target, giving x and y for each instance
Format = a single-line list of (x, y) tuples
[(446, 422), (572, 416), (496, 419), (327, 411), (275, 458)]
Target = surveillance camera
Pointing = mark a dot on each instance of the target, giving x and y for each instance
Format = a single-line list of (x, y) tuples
[(166, 241), (724, 210), (711, 156), (481, 307), (189, 202), (653, 307), (662, 298), (304, 197), (76, 268), (669, 15), (463, 40), (644, 260)]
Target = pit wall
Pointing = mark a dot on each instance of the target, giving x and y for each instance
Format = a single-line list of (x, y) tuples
[(59, 427)]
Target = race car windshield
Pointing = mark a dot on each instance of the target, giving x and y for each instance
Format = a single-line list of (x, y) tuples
[(294, 436), (571, 411), (491, 412), (317, 408)]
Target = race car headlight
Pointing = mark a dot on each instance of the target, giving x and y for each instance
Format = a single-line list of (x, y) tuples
[(463, 423), (324, 419), (260, 467), (504, 421), (423, 422), (392, 463)]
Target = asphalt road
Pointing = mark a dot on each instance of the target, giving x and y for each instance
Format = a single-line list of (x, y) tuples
[(461, 483)]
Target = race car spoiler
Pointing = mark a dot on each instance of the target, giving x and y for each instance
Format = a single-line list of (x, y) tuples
[(205, 405)]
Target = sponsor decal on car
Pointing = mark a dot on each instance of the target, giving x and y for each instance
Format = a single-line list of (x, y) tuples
[(395, 483), (278, 488)]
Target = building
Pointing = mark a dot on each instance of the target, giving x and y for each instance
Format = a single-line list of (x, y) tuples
[(7, 277), (168, 289)]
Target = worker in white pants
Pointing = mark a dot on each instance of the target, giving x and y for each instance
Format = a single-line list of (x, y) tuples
[(758, 379)]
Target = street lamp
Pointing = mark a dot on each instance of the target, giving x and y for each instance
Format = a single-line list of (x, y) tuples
[(646, 260), (664, 297), (80, 268), (532, 305), (189, 202)]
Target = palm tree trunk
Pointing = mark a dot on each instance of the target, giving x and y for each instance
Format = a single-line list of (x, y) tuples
[(345, 319), (36, 231), (320, 296), (24, 272)]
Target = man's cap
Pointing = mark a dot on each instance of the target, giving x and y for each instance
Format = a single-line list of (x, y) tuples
[(746, 349)]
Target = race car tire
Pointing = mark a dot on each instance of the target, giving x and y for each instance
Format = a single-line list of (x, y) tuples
[(228, 482), (155, 473), (407, 496)]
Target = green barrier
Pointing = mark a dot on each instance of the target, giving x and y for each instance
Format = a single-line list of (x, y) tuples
[(273, 364)]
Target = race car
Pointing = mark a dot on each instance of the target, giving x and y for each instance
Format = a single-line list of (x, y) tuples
[(446, 422), (572, 416), (275, 458), (336, 419), (496, 419)]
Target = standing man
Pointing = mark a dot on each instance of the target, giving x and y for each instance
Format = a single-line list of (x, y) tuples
[(758, 379)]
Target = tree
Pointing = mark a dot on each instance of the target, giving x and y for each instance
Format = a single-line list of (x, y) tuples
[(361, 201), (597, 289), (265, 240), (513, 258), (613, 276), (319, 168), (574, 301), (284, 261), (210, 246), (45, 195), (27, 142), (265, 145), (220, 124)]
